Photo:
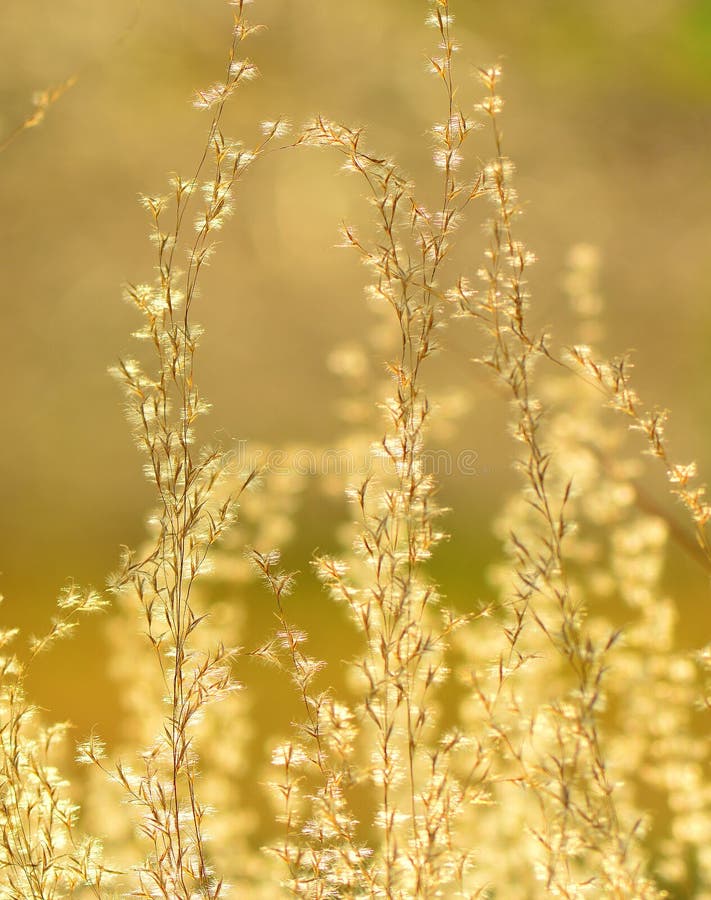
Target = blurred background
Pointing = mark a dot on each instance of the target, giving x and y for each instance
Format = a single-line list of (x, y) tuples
[(608, 117)]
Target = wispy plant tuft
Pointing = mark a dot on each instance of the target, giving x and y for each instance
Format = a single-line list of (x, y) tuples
[(543, 741)]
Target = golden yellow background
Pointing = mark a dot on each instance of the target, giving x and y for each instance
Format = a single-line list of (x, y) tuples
[(608, 117)]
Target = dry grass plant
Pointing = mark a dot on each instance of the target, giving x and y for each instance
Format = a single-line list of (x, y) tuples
[(537, 783)]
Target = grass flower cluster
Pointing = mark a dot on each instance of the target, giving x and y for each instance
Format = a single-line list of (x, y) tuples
[(485, 749)]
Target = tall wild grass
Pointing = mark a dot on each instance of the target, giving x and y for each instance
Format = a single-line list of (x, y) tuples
[(549, 740)]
